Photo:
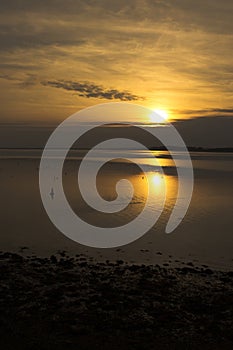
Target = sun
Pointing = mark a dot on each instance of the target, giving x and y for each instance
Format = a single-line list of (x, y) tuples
[(159, 116), (162, 113)]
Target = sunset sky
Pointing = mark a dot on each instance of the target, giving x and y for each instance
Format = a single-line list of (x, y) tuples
[(57, 57)]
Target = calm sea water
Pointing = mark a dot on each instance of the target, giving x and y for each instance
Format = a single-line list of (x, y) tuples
[(205, 235)]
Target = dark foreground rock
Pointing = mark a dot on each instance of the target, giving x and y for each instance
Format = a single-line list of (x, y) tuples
[(67, 303)]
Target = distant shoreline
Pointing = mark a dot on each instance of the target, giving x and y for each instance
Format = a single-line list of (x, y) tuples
[(190, 149)]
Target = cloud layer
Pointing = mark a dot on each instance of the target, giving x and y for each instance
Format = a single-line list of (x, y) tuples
[(86, 89), (176, 54)]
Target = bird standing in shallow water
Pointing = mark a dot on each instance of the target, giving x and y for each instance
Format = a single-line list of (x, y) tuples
[(52, 193)]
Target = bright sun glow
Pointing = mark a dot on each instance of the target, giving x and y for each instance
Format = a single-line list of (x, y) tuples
[(156, 115), (157, 179)]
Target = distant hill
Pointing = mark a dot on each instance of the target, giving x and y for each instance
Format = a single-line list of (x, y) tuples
[(190, 148), (197, 149)]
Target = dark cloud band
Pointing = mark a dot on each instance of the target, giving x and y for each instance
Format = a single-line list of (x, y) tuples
[(205, 112), (90, 90)]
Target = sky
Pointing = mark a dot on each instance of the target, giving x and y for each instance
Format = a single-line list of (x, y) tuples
[(57, 57)]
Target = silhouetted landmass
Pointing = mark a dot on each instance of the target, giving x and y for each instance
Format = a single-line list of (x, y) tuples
[(196, 149), (190, 148)]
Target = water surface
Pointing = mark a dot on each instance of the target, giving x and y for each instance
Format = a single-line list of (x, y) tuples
[(204, 236)]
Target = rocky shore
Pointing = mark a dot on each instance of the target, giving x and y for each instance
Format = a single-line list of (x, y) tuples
[(66, 302)]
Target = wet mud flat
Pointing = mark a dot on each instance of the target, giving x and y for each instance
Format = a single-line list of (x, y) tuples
[(66, 302)]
